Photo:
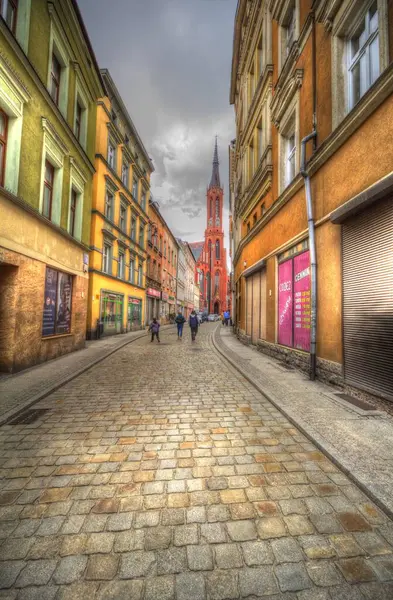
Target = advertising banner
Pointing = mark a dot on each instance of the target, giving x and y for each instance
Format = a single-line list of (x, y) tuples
[(285, 304), (302, 295), (49, 317), (64, 295)]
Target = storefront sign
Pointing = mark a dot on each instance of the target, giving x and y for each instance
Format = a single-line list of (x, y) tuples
[(154, 293), (164, 296), (133, 300), (285, 305), (302, 295)]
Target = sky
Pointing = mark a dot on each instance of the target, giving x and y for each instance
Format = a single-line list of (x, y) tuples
[(171, 61)]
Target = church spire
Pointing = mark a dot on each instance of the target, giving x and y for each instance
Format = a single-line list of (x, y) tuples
[(215, 179)]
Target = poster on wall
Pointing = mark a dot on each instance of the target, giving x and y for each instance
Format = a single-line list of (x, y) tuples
[(302, 296), (64, 295), (285, 304), (49, 313)]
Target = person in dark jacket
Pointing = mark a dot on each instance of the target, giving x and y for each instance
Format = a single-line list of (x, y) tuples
[(193, 323), (180, 320), (155, 330)]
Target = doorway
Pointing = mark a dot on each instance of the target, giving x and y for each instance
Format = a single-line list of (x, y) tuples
[(216, 308)]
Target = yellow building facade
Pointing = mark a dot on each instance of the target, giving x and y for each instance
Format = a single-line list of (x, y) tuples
[(49, 85), (119, 223)]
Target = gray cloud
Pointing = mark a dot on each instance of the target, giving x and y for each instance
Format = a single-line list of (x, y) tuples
[(170, 60)]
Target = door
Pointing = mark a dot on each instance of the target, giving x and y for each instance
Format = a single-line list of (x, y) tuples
[(112, 313), (262, 320), (256, 307), (249, 306), (368, 299)]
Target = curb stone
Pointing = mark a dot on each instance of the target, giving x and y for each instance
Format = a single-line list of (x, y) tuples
[(325, 447)]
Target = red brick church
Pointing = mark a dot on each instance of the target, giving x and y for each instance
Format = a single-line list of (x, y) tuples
[(210, 255)]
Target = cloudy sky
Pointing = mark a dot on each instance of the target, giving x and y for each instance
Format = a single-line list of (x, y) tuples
[(170, 60)]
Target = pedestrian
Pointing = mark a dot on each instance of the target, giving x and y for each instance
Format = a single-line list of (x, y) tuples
[(193, 323), (227, 316), (155, 330), (180, 320)]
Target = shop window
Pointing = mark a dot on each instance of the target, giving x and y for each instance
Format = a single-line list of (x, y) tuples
[(294, 319), (363, 55), (48, 190), (124, 174), (8, 10), (111, 154), (109, 205), (123, 217), (121, 265), (3, 144), (107, 259), (57, 303), (132, 270)]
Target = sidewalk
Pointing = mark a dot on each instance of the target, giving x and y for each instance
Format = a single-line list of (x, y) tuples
[(360, 442), (19, 391)]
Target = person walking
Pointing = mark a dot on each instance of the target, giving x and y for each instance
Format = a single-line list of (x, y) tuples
[(155, 330), (227, 316), (180, 320), (193, 323)]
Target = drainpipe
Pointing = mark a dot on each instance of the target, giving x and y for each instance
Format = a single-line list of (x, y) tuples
[(313, 256)]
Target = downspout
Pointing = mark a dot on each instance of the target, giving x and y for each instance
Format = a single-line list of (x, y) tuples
[(310, 217)]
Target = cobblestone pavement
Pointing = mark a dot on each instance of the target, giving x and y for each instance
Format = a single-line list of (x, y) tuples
[(161, 474)]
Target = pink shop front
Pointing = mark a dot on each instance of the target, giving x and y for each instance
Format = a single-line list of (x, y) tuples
[(153, 297)]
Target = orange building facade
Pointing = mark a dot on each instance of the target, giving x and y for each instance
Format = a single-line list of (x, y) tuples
[(161, 271), (321, 69)]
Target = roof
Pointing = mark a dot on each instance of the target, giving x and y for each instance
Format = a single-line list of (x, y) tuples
[(215, 178)]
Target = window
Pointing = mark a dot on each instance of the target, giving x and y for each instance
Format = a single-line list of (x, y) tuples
[(133, 228), (165, 249), (120, 266), (109, 202), (107, 259), (126, 140), (3, 143), (135, 189), (73, 205), (290, 158), (143, 201), (132, 270), (254, 219), (112, 154), (260, 56), (124, 174), (248, 227), (290, 30), (142, 236), (216, 282), (48, 190), (140, 276), (78, 121), (123, 217), (263, 209), (217, 249), (8, 10), (57, 303), (55, 78), (363, 55), (113, 116), (149, 233), (260, 141)]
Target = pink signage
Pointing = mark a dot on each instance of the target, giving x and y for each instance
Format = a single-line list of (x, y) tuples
[(301, 292), (285, 306), (153, 292)]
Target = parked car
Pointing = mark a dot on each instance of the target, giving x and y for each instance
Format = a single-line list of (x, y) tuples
[(211, 317), (199, 317)]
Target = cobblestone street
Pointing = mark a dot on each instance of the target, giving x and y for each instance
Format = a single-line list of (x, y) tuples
[(161, 473)]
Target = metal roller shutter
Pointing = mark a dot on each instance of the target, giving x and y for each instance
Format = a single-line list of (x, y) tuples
[(249, 306), (368, 299), (262, 333), (256, 306)]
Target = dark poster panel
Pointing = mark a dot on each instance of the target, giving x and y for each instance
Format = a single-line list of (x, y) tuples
[(49, 313), (64, 295)]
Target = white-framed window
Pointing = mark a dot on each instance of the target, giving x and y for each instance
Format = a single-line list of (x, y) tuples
[(111, 153), (123, 217), (133, 228), (121, 265), (288, 144), (107, 258), (132, 269), (9, 11), (135, 189), (141, 239), (143, 201), (58, 68), (125, 169), (76, 199), (109, 204), (81, 114), (288, 30), (363, 55), (53, 154), (290, 157), (140, 275)]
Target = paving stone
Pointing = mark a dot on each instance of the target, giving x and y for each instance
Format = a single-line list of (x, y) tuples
[(298, 525), (74, 544), (317, 546), (16, 548), (196, 514), (271, 527), (217, 483), (158, 537), (172, 560), (50, 526), (94, 523), (356, 570), (190, 586), (147, 519), (218, 512), (184, 535), (37, 572), (9, 572), (326, 523), (70, 569), (345, 545), (107, 505), (314, 594), (244, 510), (292, 577), (120, 522), (76, 591), (160, 588), (233, 496), (293, 507), (324, 573), (46, 547), (222, 585), (200, 558), (286, 550), (125, 541), (383, 567), (255, 581), (213, 533), (228, 556), (257, 553), (137, 564), (241, 531), (173, 516), (102, 566), (375, 591), (353, 522), (121, 590), (373, 543), (100, 543)]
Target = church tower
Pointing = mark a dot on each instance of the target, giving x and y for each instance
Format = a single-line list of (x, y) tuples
[(214, 242)]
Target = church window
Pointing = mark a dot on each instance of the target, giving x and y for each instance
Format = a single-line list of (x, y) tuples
[(217, 282), (217, 207), (211, 207), (217, 249)]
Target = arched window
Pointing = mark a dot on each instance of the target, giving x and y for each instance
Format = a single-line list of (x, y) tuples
[(210, 250), (201, 282), (217, 207), (217, 282), (211, 207), (217, 249)]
